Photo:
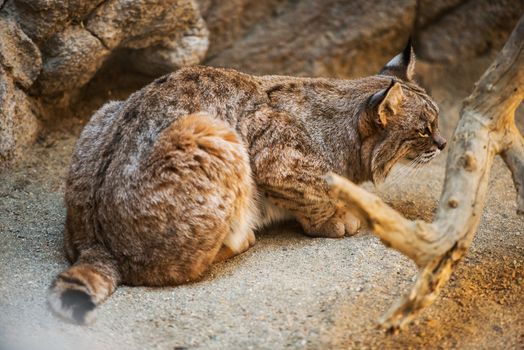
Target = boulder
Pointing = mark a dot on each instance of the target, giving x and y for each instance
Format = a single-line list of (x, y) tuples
[(50, 49), (160, 36), (71, 58), (468, 30), (40, 19), (312, 37), (18, 54), (429, 11), (18, 125), (228, 21)]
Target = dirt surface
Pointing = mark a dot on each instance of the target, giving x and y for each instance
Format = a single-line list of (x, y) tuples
[(289, 291)]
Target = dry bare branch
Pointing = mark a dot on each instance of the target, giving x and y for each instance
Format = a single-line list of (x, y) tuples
[(486, 128)]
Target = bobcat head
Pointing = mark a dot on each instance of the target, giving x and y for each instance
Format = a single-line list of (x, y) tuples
[(405, 117)]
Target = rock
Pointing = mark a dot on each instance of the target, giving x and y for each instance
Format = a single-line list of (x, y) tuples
[(430, 10), (228, 21), (18, 125), (469, 30), (72, 57), (318, 37), (7, 143), (139, 24), (79, 9), (40, 19), (52, 48), (180, 50), (18, 54)]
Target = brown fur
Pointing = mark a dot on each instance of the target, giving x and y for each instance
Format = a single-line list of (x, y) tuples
[(179, 175)]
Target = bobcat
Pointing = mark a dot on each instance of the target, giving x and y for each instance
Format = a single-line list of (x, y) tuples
[(179, 175)]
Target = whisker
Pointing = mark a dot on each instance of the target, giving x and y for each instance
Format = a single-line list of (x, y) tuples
[(401, 173)]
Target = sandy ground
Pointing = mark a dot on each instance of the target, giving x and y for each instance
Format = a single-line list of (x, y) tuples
[(289, 291)]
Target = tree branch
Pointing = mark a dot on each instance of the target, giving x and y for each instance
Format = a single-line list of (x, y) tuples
[(486, 128)]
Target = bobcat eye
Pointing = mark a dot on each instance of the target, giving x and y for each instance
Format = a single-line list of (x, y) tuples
[(424, 132)]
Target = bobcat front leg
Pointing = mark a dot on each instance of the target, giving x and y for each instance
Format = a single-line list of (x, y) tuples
[(290, 175), (319, 217)]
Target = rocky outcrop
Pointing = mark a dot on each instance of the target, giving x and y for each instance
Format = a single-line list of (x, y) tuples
[(50, 49), (312, 37), (20, 64), (18, 54), (451, 31), (18, 124), (351, 38), (72, 56)]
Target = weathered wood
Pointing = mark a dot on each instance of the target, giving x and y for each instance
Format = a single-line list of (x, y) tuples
[(514, 158), (486, 128)]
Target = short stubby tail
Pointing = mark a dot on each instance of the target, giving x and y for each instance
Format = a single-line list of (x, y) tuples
[(75, 292)]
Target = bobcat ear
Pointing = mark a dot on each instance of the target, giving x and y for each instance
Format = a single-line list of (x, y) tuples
[(402, 65), (387, 102)]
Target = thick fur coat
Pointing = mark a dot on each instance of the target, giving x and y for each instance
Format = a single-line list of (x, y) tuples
[(180, 174)]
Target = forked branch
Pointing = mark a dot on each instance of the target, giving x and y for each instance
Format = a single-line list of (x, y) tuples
[(486, 128)]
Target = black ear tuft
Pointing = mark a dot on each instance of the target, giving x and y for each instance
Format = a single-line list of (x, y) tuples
[(408, 52), (402, 65)]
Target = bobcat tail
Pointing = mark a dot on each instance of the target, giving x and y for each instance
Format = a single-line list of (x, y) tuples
[(75, 292)]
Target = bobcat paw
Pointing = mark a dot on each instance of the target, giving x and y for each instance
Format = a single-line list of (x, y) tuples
[(335, 227), (351, 224), (332, 228)]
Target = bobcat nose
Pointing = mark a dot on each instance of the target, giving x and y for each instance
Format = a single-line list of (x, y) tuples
[(441, 142)]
